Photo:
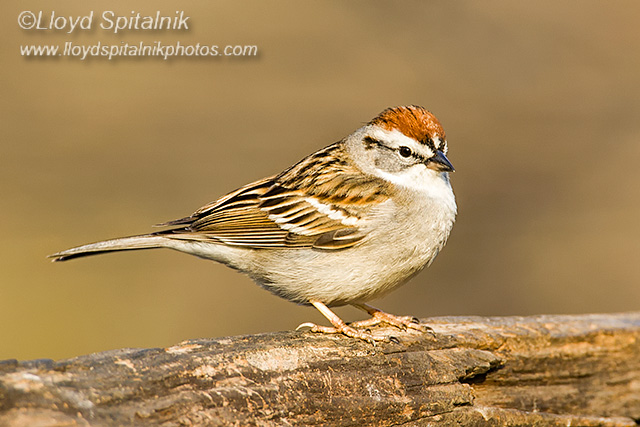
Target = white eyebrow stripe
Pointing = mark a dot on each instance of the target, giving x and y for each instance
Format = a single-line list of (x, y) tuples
[(392, 135), (400, 139)]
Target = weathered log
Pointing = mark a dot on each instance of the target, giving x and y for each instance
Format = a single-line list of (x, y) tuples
[(515, 371)]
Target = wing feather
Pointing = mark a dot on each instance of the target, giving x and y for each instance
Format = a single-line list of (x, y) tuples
[(317, 203)]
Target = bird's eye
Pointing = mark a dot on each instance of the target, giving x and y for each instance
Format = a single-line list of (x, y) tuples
[(405, 151)]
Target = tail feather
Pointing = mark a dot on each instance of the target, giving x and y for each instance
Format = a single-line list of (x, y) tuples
[(145, 241)]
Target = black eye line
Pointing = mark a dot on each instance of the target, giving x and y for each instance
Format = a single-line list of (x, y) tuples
[(429, 143), (420, 157), (414, 155), (370, 142)]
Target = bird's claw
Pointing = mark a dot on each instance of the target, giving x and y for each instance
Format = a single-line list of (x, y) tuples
[(400, 322), (345, 330)]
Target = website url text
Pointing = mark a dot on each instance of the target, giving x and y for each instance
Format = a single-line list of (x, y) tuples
[(124, 49)]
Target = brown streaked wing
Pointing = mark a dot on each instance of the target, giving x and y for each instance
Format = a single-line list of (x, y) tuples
[(316, 203), (255, 187)]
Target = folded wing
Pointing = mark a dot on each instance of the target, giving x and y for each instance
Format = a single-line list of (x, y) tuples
[(317, 203)]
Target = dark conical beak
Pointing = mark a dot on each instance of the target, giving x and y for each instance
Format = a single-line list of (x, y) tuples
[(440, 163)]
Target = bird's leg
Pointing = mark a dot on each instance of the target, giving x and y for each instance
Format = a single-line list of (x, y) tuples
[(339, 327), (379, 316)]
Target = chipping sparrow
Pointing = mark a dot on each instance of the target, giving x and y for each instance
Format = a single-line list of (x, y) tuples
[(346, 224)]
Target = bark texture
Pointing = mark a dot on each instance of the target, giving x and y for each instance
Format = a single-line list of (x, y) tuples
[(514, 371)]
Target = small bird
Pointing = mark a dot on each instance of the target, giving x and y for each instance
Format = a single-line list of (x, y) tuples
[(345, 225)]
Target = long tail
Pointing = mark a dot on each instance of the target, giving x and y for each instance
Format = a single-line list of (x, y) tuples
[(145, 241)]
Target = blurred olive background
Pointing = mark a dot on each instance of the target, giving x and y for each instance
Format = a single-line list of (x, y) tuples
[(540, 102)]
